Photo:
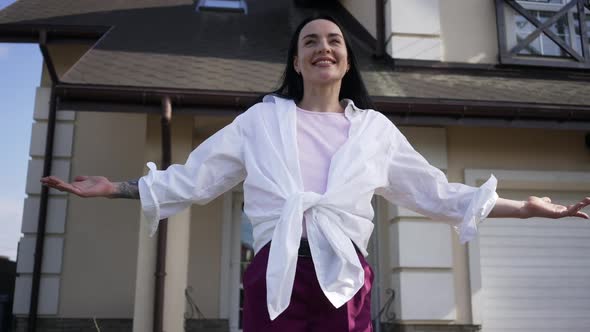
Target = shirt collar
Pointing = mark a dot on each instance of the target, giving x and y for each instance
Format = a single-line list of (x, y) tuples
[(350, 109)]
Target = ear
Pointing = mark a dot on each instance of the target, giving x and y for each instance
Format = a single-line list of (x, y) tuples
[(296, 65)]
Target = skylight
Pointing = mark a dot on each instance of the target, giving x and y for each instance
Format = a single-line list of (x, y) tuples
[(223, 5)]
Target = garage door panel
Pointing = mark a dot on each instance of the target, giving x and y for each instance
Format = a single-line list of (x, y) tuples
[(537, 281), (507, 271), (556, 262), (553, 325), (538, 231), (534, 304), (542, 314), (518, 242), (516, 223), (536, 272), (555, 292), (536, 251)]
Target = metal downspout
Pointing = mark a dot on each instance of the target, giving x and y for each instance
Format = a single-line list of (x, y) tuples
[(48, 159), (380, 26), (163, 228), (379, 53)]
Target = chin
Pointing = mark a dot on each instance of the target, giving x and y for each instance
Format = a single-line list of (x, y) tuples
[(325, 78)]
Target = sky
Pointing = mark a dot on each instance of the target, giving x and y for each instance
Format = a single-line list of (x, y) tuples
[(20, 74)]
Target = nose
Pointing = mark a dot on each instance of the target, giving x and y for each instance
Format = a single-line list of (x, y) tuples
[(324, 46)]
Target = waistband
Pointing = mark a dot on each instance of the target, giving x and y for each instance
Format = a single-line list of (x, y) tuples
[(304, 250)]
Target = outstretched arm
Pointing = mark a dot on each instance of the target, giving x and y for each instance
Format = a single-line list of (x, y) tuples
[(94, 186), (127, 189), (537, 207)]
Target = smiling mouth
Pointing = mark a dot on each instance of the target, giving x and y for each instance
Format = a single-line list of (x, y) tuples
[(323, 62)]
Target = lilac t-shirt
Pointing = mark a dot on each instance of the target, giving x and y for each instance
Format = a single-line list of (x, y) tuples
[(319, 135)]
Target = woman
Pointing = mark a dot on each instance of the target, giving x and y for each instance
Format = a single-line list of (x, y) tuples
[(309, 153)]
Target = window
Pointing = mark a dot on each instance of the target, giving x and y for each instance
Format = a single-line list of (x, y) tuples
[(237, 253), (544, 32), (246, 256), (223, 5)]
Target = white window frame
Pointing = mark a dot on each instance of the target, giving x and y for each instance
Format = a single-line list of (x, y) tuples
[(229, 295), (547, 7)]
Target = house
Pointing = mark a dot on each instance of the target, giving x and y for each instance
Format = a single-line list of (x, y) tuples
[(477, 86), (7, 278)]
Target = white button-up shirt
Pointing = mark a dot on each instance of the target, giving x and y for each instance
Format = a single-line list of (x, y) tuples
[(260, 148)]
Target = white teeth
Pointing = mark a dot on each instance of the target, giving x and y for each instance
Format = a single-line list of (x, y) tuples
[(324, 62)]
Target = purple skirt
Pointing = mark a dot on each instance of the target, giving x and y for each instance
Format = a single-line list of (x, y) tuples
[(309, 309)]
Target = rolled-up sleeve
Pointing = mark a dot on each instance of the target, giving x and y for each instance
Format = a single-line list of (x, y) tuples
[(415, 184), (214, 167)]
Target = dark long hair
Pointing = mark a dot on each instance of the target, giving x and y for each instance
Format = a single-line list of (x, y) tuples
[(352, 86)]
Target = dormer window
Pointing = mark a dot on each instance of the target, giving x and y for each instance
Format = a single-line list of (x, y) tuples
[(544, 32), (239, 6)]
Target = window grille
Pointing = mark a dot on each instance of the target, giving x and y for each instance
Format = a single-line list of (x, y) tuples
[(544, 32)]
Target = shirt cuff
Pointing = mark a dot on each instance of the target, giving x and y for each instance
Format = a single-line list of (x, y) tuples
[(480, 207), (149, 202)]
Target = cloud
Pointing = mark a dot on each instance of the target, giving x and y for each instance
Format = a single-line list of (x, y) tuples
[(11, 211)]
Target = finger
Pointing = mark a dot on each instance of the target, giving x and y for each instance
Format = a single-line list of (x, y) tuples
[(546, 199), (51, 181), (580, 205), (81, 178), (582, 215), (46, 179), (64, 186)]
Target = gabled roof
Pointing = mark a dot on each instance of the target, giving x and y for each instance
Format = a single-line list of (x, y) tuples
[(167, 44)]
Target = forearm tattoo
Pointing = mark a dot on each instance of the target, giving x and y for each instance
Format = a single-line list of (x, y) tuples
[(128, 189)]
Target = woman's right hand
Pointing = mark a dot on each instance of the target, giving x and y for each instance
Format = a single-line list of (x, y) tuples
[(83, 186)]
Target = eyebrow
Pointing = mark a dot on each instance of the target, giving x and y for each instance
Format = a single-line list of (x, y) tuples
[(314, 35)]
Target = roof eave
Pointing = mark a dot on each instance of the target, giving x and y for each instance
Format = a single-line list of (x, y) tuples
[(30, 33), (482, 108), (422, 111)]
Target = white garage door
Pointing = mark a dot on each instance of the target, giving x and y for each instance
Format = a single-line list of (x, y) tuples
[(536, 272)]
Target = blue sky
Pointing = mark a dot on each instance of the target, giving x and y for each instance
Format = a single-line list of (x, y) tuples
[(20, 74)]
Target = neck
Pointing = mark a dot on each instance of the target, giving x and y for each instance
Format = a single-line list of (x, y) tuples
[(323, 98)]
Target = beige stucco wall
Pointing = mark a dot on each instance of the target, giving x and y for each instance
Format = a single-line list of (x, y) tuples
[(468, 31), (64, 56), (98, 271), (204, 273), (98, 277), (515, 149), (519, 149)]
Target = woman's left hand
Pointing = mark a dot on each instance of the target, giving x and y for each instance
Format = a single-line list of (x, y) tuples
[(542, 207)]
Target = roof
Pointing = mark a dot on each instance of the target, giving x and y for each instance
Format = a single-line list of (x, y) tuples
[(167, 44)]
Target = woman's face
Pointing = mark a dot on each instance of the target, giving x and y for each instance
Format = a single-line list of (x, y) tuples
[(321, 53)]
